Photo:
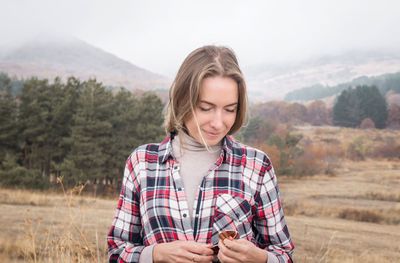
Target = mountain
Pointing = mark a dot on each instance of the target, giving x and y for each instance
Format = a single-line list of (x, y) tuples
[(274, 81), (48, 57), (384, 83)]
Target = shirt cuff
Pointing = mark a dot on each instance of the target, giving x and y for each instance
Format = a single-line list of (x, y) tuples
[(147, 255), (271, 258)]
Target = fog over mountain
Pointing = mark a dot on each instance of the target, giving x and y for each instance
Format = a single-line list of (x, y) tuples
[(273, 81), (48, 57)]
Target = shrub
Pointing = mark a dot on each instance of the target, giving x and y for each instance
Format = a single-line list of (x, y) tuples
[(367, 123), (389, 149), (310, 162), (21, 177), (356, 150), (360, 215)]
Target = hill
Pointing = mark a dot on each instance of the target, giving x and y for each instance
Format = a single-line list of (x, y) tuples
[(385, 83), (48, 57), (274, 81)]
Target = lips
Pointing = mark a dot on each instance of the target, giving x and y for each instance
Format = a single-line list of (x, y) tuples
[(211, 134)]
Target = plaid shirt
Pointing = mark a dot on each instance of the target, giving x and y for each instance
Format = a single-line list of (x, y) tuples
[(239, 193)]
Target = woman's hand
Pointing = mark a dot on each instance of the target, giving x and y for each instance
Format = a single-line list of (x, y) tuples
[(240, 250), (182, 251)]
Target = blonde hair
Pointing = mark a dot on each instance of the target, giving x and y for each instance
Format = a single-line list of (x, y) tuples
[(204, 62)]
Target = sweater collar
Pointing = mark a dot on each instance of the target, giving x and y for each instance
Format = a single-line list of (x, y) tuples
[(165, 148)]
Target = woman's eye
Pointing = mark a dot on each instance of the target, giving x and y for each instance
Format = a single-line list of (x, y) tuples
[(204, 109), (231, 110)]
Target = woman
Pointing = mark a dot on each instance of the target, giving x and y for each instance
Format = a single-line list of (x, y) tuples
[(179, 195)]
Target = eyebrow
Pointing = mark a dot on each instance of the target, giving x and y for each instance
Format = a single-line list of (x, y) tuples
[(212, 104)]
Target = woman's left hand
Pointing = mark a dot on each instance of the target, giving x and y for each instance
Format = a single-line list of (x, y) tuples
[(240, 250)]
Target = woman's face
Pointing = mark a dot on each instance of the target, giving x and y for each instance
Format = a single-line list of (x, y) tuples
[(216, 110)]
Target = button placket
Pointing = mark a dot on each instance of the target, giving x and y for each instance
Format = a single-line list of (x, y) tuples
[(179, 187)]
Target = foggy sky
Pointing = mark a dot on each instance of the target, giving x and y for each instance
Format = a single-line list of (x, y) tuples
[(157, 35)]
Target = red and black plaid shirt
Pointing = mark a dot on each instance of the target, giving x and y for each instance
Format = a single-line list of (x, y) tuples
[(239, 193)]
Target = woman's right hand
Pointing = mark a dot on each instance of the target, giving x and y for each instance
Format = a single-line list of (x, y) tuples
[(182, 251)]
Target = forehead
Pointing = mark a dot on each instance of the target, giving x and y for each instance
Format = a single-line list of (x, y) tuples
[(219, 90)]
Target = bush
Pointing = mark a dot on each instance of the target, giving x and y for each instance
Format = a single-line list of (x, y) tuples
[(389, 149), (357, 149), (21, 177), (316, 160), (360, 215), (367, 123)]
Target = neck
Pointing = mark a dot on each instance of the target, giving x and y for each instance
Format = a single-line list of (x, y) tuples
[(189, 143)]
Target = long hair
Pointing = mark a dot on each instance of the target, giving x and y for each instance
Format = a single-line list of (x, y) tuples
[(204, 62)]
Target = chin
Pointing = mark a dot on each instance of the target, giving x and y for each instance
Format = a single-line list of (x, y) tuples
[(213, 142)]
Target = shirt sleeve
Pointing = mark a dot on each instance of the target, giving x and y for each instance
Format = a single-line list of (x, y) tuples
[(125, 242), (272, 231), (147, 255)]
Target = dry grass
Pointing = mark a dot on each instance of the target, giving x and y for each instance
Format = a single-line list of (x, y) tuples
[(361, 215), (353, 216), (53, 228), (354, 144), (382, 196)]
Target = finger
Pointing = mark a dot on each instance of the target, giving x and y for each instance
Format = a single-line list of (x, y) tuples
[(199, 248), (224, 257), (226, 251), (243, 241), (233, 245), (202, 259)]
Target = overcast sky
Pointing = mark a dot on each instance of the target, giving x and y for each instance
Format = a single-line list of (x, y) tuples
[(157, 35)]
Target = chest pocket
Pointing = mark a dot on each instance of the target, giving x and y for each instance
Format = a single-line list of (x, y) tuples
[(232, 213)]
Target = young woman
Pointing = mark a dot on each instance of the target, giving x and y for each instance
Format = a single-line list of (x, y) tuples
[(179, 195)]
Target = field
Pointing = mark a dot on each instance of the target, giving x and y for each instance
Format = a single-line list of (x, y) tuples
[(351, 215)]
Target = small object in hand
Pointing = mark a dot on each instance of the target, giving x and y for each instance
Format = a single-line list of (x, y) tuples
[(231, 234), (215, 249)]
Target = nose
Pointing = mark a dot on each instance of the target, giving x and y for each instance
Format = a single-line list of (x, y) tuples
[(217, 121)]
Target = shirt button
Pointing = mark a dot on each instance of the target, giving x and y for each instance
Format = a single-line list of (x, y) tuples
[(184, 215)]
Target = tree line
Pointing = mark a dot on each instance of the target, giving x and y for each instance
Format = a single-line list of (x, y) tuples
[(385, 83), (363, 106), (82, 131), (76, 129)]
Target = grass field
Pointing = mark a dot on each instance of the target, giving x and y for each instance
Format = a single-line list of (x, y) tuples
[(351, 216)]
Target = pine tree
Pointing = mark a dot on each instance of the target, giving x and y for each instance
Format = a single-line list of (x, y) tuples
[(373, 105), (149, 127), (8, 119), (91, 136), (346, 110), (124, 120), (33, 119), (354, 105)]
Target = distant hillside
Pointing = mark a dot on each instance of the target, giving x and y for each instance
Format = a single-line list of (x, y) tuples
[(384, 83), (64, 57), (274, 81)]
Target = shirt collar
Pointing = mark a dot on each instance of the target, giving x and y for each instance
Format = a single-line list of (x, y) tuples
[(165, 148)]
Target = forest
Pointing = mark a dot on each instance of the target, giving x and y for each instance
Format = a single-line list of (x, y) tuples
[(82, 131)]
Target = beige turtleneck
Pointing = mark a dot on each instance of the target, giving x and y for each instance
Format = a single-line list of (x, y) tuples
[(195, 160)]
